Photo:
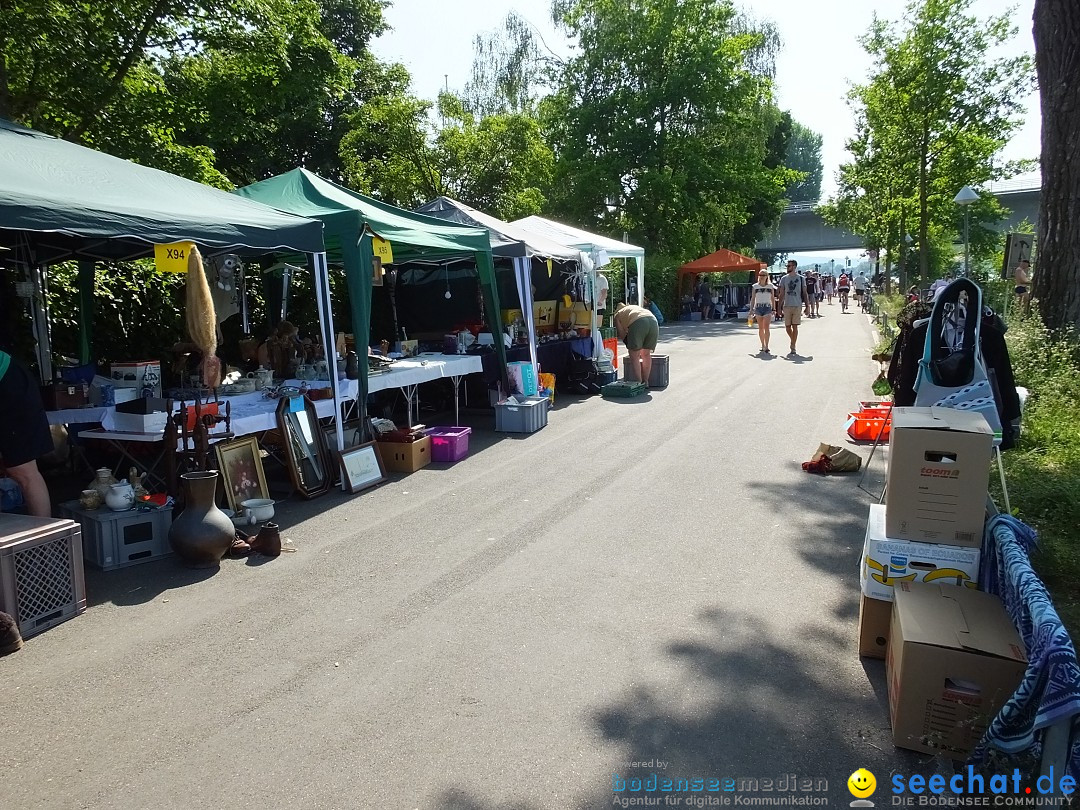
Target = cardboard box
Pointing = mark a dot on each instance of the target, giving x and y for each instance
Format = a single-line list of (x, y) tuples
[(953, 660), (141, 416), (522, 378), (939, 469), (142, 375), (874, 618), (406, 457), (886, 562), (544, 315)]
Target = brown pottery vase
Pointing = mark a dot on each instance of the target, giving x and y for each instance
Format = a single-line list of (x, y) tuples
[(203, 533)]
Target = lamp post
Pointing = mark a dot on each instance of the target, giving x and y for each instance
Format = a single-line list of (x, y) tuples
[(907, 256), (965, 197)]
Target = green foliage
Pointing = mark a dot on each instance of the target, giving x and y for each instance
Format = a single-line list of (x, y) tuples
[(138, 312), (660, 124), (804, 155), (931, 119)]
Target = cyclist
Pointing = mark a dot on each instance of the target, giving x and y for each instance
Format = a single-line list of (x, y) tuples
[(843, 287)]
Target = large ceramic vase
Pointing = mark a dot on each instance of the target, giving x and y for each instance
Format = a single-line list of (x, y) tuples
[(203, 533)]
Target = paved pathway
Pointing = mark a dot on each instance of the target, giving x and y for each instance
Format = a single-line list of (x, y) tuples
[(651, 581)]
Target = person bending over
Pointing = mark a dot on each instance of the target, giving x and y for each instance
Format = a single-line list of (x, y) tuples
[(637, 328)]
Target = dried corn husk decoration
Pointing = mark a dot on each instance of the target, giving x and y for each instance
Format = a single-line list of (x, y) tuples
[(201, 318)]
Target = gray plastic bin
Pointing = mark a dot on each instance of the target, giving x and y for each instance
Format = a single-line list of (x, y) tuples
[(658, 377), (521, 417)]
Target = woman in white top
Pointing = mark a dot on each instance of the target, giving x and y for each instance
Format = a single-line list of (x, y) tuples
[(762, 296)]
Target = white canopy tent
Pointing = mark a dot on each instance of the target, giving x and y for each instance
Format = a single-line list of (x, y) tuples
[(526, 245), (599, 249)]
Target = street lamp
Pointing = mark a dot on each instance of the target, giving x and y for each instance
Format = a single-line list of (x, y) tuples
[(965, 197), (908, 241)]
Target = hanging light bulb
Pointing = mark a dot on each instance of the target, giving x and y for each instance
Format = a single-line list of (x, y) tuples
[(446, 294)]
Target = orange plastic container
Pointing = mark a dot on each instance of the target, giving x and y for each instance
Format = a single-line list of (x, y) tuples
[(869, 425)]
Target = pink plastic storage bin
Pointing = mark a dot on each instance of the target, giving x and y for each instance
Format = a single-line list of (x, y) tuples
[(449, 443)]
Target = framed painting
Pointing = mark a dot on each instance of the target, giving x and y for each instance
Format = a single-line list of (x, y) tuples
[(376, 272), (241, 471), (362, 466)]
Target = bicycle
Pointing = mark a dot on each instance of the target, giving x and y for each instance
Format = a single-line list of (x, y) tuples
[(843, 295)]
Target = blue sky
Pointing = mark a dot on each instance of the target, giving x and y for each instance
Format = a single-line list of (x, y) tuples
[(820, 58)]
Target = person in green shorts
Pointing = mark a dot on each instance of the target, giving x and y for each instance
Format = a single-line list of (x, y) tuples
[(638, 329)]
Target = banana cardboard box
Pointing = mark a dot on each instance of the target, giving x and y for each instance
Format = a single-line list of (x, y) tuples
[(886, 562)]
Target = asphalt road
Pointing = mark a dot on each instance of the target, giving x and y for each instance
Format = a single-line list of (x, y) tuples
[(649, 581)]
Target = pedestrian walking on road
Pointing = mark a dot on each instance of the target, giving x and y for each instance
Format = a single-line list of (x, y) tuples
[(794, 301), (762, 298), (813, 285)]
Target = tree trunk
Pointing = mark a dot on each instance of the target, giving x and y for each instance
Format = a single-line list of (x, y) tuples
[(1057, 59), (924, 216)]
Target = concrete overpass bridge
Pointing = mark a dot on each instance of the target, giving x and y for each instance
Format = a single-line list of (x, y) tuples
[(802, 229)]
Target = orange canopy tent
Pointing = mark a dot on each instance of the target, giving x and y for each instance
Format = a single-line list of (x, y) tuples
[(722, 261)]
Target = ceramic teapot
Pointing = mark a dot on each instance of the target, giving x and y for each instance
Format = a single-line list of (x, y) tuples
[(103, 479), (120, 497), (264, 377)]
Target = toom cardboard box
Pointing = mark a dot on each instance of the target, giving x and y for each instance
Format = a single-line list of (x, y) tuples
[(953, 660), (886, 562), (939, 468), (406, 457), (874, 618)]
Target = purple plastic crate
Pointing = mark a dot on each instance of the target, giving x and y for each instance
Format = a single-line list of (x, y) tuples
[(449, 443)]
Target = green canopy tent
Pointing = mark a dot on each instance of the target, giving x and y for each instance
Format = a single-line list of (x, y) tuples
[(60, 201), (350, 220)]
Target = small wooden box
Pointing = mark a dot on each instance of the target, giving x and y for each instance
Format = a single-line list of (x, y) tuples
[(61, 396), (118, 539)]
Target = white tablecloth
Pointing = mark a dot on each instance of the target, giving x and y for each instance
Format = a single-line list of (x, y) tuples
[(254, 413), (424, 368)]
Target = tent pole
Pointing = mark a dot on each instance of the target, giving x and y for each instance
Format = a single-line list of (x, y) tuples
[(523, 277), (43, 345), (326, 322), (86, 310)]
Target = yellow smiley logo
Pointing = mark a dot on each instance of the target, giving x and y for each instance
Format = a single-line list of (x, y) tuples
[(861, 783)]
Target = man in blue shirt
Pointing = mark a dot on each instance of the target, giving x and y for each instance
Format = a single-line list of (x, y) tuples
[(24, 433)]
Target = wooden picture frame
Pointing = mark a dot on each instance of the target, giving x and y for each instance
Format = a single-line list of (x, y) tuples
[(376, 272), (242, 475), (307, 457), (362, 466)]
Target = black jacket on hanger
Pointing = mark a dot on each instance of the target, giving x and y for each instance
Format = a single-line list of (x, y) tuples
[(913, 321)]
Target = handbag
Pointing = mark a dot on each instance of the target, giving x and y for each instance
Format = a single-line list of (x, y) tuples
[(952, 373)]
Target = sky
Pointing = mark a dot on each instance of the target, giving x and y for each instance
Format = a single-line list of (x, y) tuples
[(819, 60)]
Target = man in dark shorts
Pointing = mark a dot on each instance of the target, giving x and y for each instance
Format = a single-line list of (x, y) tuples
[(638, 329), (24, 433)]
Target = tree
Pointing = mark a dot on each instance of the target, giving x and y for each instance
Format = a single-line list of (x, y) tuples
[(930, 120), (1057, 59), (661, 121), (221, 91), (804, 155)]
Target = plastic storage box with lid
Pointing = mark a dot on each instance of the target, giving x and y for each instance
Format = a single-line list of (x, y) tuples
[(41, 571), (658, 376), (118, 539), (449, 443), (521, 414), (624, 389)]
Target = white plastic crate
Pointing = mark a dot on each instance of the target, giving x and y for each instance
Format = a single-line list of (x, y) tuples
[(41, 571), (119, 539)]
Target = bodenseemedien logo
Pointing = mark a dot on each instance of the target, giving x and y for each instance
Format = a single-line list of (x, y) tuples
[(862, 784)]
